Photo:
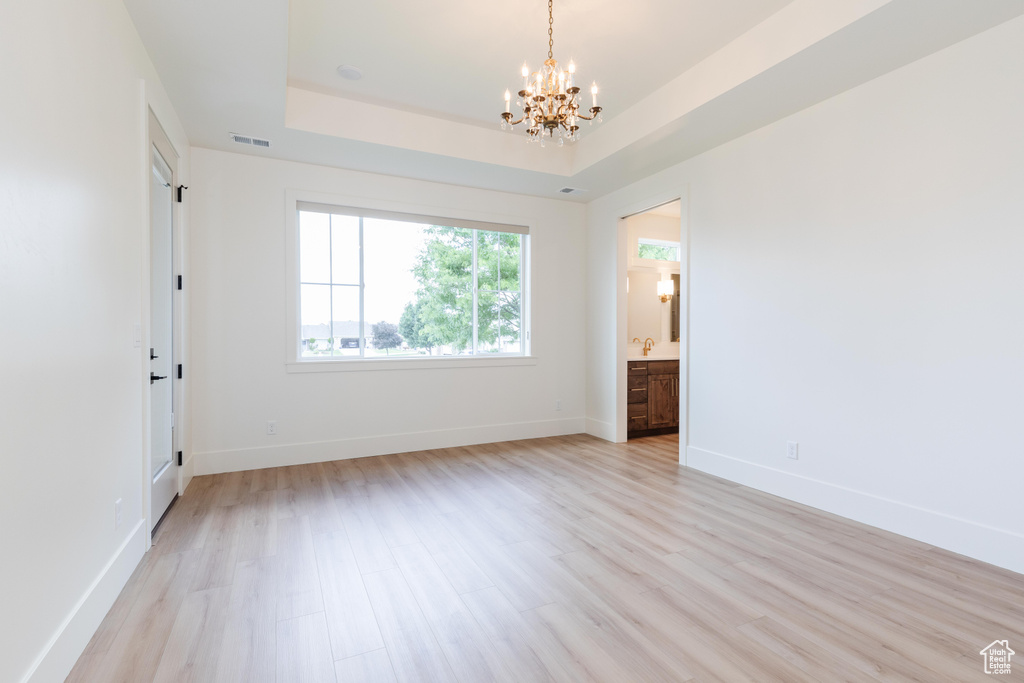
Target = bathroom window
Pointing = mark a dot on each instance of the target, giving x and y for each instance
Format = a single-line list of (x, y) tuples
[(657, 250), (384, 285)]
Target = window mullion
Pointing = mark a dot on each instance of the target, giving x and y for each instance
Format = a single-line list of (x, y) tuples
[(362, 288), (523, 327), (330, 279), (497, 295), (475, 293)]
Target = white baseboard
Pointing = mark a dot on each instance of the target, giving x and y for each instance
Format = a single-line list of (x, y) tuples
[(188, 470), (996, 546), (602, 430), (67, 644), (215, 462)]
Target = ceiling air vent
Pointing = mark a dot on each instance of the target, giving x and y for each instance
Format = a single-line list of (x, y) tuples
[(571, 190), (249, 140)]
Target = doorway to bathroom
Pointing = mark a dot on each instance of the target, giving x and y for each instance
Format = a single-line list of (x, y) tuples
[(655, 311)]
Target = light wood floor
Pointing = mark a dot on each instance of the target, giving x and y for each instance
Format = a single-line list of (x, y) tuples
[(565, 559)]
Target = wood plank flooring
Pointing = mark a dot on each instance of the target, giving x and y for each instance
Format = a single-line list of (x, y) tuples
[(558, 559)]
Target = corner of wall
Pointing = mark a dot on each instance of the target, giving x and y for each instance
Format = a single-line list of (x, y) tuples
[(995, 546), (67, 644)]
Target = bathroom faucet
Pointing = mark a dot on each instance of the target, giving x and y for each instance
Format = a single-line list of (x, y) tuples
[(646, 347)]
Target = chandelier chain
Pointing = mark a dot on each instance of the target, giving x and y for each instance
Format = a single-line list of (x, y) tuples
[(551, 28)]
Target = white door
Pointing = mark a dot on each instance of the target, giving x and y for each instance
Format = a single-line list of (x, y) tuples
[(161, 384)]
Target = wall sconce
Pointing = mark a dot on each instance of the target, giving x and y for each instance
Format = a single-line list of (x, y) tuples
[(665, 290)]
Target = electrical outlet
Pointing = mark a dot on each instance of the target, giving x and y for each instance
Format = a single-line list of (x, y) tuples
[(792, 450), (558, 404), (272, 427), (117, 513)]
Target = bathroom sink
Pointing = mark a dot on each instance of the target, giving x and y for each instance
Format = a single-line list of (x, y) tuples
[(661, 351)]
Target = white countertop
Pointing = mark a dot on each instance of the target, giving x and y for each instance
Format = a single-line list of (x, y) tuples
[(661, 351)]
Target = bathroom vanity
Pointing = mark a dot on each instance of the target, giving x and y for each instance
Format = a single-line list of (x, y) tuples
[(652, 403)]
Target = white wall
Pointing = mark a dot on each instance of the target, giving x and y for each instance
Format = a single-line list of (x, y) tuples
[(856, 286), (73, 244), (652, 226), (239, 329)]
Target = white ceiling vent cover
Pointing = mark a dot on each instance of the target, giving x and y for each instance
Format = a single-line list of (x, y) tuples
[(249, 140), (571, 190)]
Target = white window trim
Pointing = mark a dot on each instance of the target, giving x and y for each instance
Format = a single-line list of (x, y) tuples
[(294, 363)]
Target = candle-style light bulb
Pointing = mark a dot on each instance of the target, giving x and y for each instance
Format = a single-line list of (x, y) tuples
[(526, 76), (593, 94), (571, 80), (508, 99)]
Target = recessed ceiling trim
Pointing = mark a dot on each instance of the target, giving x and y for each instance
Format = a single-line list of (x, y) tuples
[(345, 118)]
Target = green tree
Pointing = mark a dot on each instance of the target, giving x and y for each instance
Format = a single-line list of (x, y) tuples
[(658, 252), (444, 300), (498, 260), (411, 328), (444, 270), (385, 336)]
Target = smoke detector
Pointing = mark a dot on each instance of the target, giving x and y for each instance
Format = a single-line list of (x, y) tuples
[(352, 73)]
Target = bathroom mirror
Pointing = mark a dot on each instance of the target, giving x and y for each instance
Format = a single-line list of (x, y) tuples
[(647, 315)]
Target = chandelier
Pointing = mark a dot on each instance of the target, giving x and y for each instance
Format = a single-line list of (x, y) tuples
[(550, 99)]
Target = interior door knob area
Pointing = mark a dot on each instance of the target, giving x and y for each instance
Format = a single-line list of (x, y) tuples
[(162, 467)]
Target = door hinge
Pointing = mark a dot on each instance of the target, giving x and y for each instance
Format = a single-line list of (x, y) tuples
[(180, 188), (179, 458), (179, 282), (179, 370)]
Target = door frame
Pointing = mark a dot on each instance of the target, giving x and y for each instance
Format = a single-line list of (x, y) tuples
[(155, 135), (621, 321)]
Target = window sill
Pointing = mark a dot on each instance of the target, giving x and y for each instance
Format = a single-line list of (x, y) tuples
[(436, 363)]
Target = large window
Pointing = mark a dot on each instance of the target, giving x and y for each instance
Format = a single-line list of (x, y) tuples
[(382, 285)]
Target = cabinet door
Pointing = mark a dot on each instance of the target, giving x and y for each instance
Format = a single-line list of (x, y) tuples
[(660, 401), (675, 402)]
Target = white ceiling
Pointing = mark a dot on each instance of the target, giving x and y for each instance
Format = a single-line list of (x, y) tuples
[(455, 59), (677, 77), (671, 210)]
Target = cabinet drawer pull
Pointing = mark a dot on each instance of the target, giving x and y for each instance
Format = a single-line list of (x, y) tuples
[(642, 389)]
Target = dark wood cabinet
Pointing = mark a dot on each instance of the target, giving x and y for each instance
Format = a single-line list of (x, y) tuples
[(652, 397), (659, 401)]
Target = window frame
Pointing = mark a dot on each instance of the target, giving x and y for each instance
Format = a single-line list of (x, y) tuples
[(364, 208), (655, 242)]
